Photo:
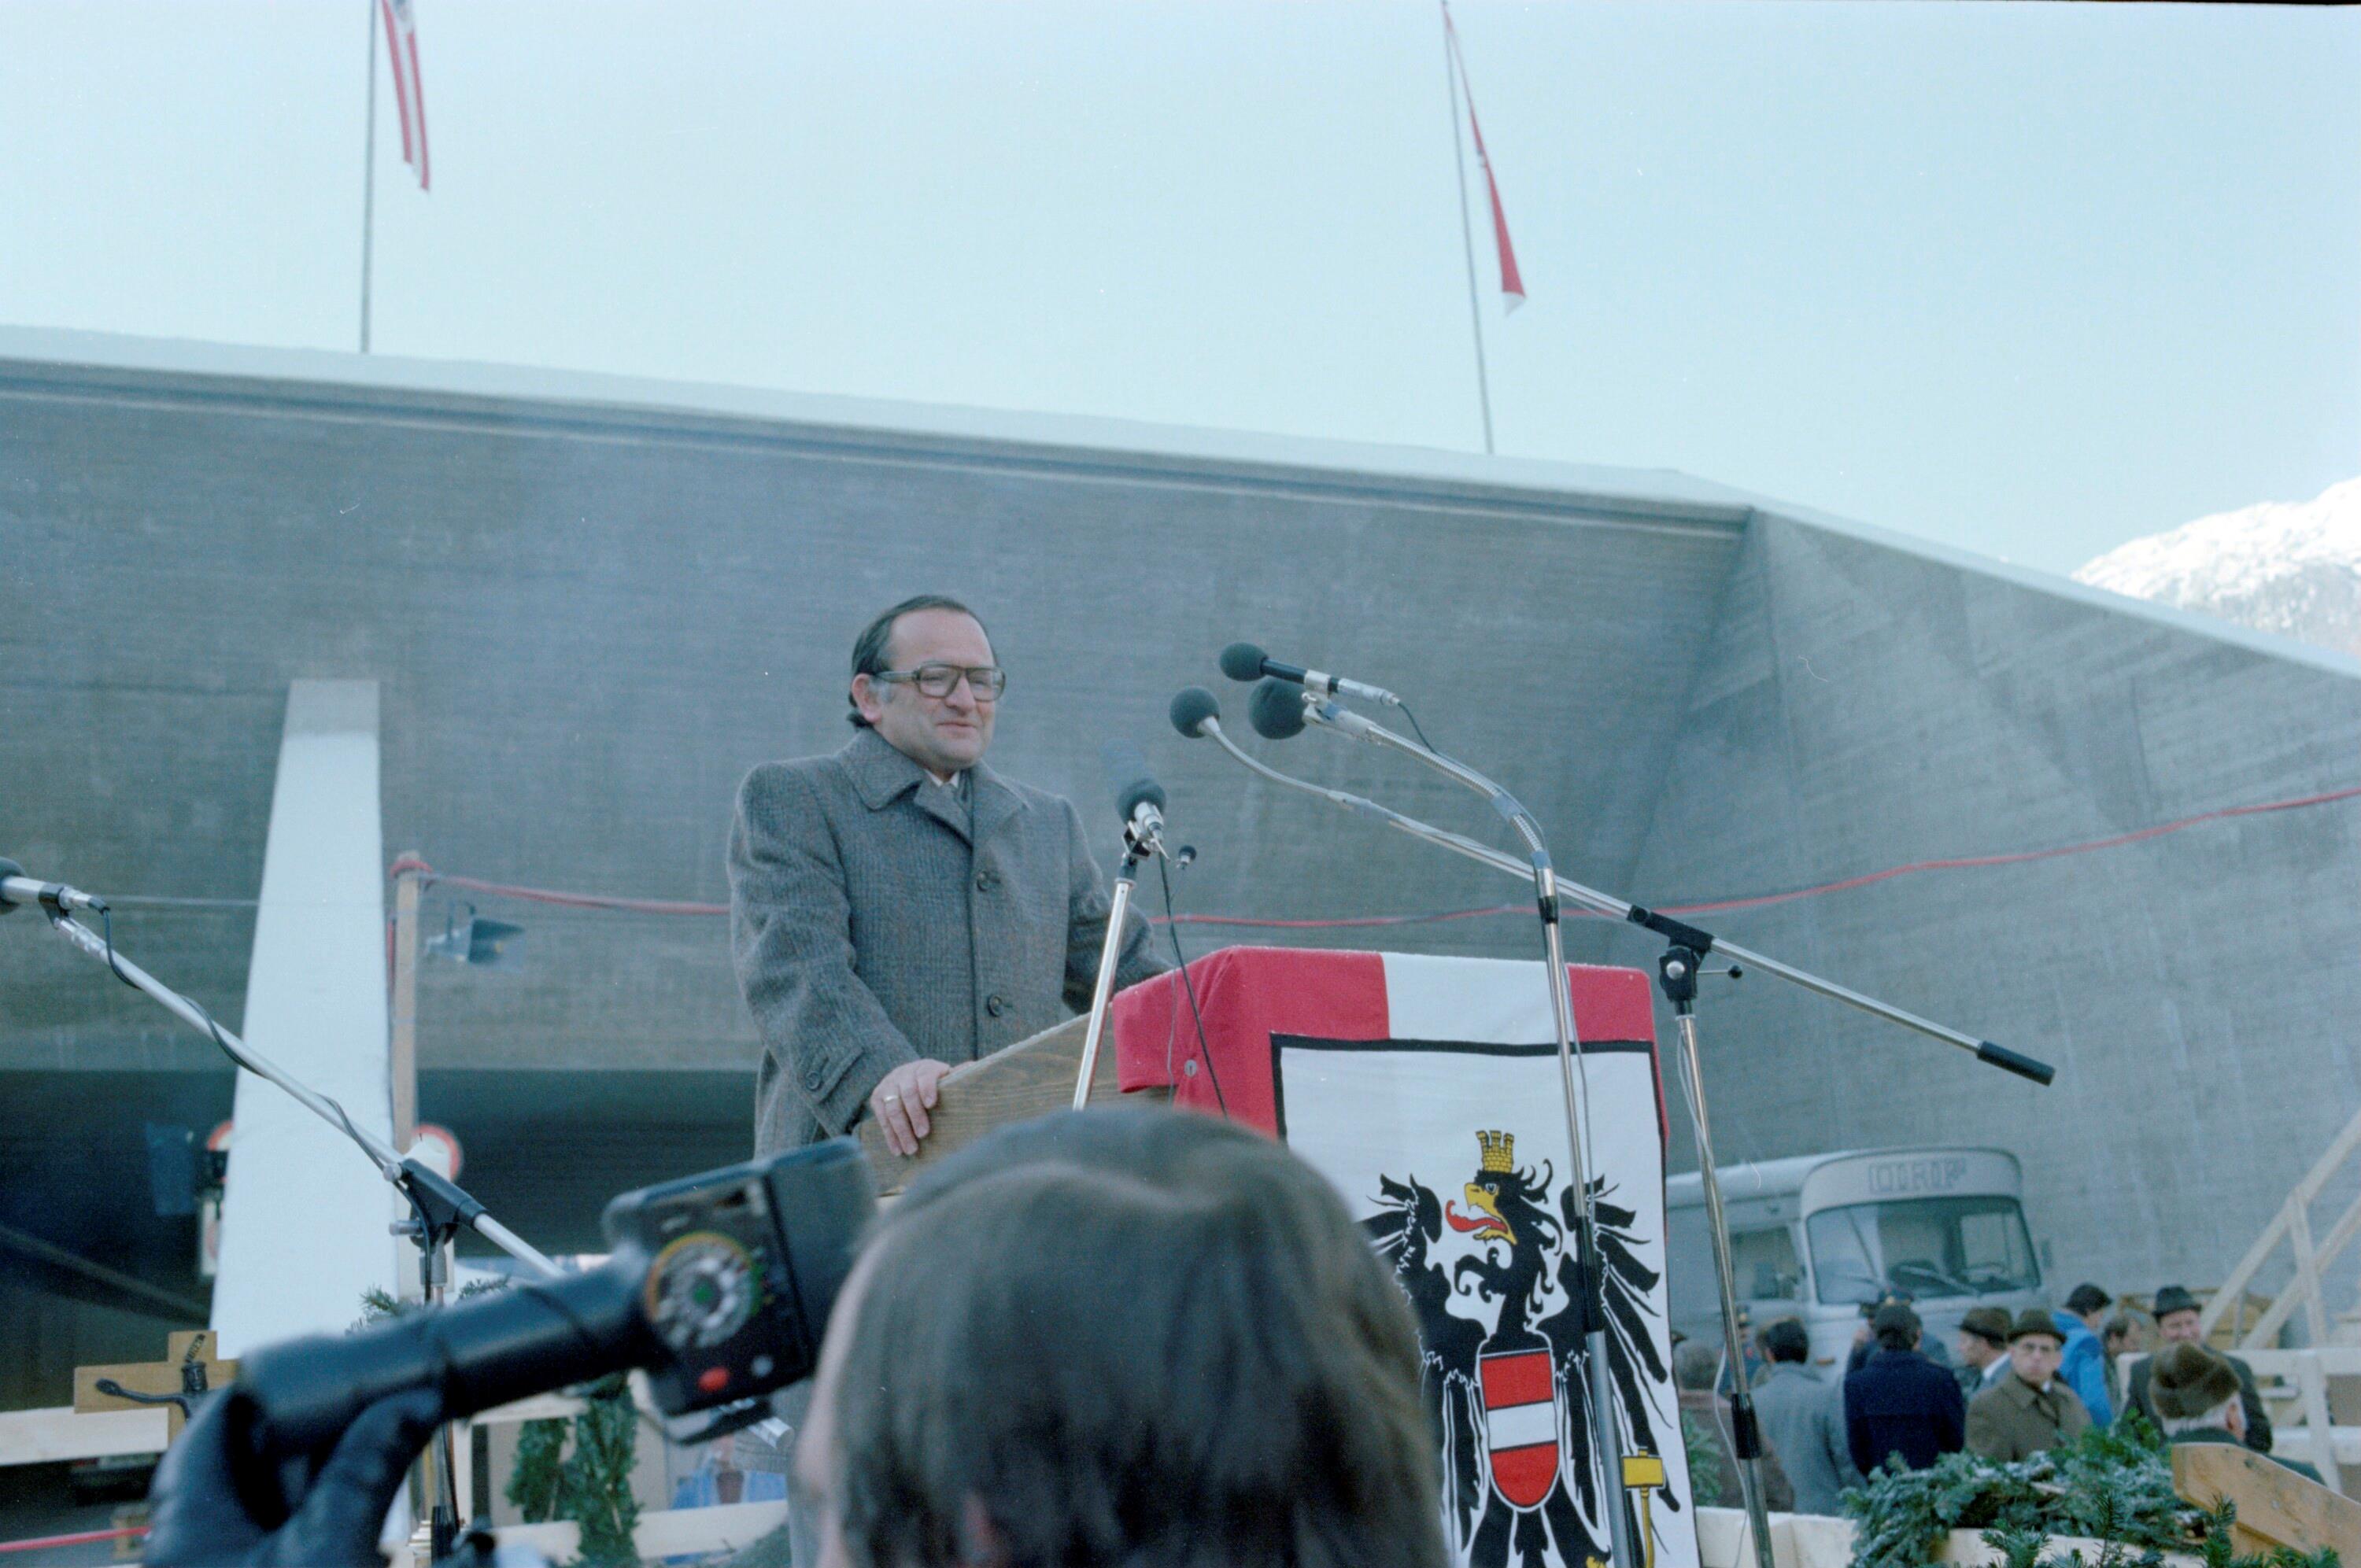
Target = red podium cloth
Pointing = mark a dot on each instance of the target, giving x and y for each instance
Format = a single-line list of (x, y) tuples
[(1251, 996)]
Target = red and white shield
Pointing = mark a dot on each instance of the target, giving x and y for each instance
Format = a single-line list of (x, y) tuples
[(1521, 1425)]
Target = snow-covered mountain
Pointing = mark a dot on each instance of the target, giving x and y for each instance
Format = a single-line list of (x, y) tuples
[(2289, 568)]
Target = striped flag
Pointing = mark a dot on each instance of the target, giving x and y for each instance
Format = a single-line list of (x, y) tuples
[(402, 45), (1512, 283)]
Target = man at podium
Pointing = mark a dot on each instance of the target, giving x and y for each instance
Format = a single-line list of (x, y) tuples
[(898, 908)]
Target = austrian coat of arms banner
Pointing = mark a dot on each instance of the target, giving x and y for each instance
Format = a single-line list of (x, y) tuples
[(1428, 1091)]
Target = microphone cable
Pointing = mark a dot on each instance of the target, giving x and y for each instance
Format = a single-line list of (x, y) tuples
[(1417, 728), (344, 1118), (1205, 1051)]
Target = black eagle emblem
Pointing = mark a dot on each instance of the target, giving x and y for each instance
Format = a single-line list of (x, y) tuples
[(1511, 1407)]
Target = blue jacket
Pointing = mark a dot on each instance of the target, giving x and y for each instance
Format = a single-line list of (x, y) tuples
[(2085, 1367), (1900, 1402)]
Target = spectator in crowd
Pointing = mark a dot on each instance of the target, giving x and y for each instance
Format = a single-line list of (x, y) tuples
[(2084, 1366), (2129, 1333), (1864, 1343), (1697, 1367), (2178, 1321), (1901, 1405), (2199, 1398), (1803, 1420), (1983, 1345), (2030, 1409)]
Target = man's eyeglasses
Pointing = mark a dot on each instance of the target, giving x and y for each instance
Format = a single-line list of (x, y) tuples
[(984, 682)]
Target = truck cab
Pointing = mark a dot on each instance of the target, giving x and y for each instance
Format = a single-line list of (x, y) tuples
[(1816, 1236)]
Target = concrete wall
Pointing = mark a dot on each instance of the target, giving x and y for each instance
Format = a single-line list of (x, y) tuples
[(1865, 705), (592, 604)]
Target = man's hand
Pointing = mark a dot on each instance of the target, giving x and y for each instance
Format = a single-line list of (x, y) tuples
[(901, 1100)]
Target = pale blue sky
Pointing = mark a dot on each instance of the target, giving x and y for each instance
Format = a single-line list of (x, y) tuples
[(2030, 279)]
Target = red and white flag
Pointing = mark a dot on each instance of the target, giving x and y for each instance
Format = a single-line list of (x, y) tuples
[(1512, 283), (402, 46), (1427, 1089)]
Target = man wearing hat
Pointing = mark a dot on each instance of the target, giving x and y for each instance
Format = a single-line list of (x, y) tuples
[(1899, 1403), (2199, 1398), (2030, 1409), (2178, 1321), (1984, 1350)]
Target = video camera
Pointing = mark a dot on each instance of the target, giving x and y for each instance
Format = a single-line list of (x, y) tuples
[(719, 1287)]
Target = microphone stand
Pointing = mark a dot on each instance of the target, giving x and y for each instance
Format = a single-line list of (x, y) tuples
[(1676, 976), (438, 1205), (1607, 1435), (1142, 837)]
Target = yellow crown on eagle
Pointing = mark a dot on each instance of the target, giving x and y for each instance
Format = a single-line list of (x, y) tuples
[(1499, 1150)]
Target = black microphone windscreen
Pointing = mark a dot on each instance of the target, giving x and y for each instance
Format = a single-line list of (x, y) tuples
[(1128, 776), (1276, 709), (1191, 708), (1241, 661)]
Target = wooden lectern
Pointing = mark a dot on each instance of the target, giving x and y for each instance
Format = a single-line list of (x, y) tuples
[(1031, 1078)]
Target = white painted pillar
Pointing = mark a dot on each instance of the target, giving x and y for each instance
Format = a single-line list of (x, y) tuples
[(304, 1213)]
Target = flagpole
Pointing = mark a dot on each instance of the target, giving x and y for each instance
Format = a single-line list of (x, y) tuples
[(1466, 231), (368, 181)]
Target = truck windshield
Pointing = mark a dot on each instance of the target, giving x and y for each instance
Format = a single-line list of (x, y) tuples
[(1928, 1246)]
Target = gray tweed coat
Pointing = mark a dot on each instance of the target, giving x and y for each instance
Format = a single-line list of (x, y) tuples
[(877, 917)]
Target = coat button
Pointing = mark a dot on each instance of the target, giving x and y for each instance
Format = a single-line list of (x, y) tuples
[(995, 1005), (985, 881), (811, 1079)]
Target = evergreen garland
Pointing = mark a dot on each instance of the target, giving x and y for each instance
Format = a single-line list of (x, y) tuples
[(1704, 1450), (2113, 1483), (591, 1486), (533, 1485), (594, 1486)]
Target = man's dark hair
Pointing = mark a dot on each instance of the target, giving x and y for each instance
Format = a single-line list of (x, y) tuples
[(1146, 1338), (1786, 1341), (1895, 1326), (870, 648), (2087, 1299)]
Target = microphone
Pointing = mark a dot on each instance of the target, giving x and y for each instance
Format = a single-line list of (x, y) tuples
[(1194, 711), (1245, 661), (1275, 709), (1138, 798), (16, 888)]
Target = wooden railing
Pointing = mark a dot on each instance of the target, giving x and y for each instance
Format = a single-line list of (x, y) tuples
[(2292, 1224)]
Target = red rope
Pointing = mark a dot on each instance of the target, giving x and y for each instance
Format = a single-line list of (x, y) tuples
[(1713, 906), (1974, 862), (551, 895), (85, 1539)]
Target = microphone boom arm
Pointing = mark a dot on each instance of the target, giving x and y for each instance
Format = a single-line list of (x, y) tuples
[(401, 1173), (1696, 941)]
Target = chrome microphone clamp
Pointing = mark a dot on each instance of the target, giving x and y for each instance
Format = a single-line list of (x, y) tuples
[(16, 888)]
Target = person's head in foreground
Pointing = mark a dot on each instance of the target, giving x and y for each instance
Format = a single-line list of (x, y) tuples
[(1125, 1337), (2195, 1390)]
